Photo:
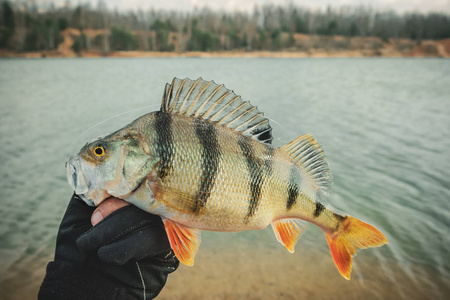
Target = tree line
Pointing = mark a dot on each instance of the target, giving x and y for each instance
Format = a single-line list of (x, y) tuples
[(25, 28)]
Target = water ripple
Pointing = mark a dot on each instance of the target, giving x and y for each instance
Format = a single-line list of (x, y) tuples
[(382, 122)]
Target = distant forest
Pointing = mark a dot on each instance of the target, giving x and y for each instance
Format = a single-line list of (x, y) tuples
[(273, 28)]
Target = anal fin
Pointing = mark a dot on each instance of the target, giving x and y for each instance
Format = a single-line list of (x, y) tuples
[(288, 232), (184, 241)]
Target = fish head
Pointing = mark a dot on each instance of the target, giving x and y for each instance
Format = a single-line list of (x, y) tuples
[(114, 165)]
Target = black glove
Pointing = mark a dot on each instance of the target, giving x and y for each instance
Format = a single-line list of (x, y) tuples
[(125, 256)]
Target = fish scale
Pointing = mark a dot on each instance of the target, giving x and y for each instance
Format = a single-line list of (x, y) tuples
[(231, 186), (205, 162)]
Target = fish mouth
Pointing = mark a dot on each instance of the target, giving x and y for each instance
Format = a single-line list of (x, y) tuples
[(83, 178), (78, 176), (75, 177)]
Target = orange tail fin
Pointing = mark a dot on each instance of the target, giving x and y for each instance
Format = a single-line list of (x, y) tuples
[(345, 242)]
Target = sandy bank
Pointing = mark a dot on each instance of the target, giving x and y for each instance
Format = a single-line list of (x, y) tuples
[(305, 46), (224, 54)]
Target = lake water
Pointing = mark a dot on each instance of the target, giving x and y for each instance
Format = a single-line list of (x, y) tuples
[(383, 123)]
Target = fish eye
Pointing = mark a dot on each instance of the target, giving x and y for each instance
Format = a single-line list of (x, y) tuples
[(99, 151)]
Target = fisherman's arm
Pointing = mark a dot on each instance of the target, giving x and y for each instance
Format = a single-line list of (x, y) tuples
[(124, 256)]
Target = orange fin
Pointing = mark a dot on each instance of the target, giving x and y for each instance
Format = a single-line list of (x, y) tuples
[(288, 231), (346, 241), (184, 241)]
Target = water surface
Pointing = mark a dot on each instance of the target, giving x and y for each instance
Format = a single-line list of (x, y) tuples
[(383, 124)]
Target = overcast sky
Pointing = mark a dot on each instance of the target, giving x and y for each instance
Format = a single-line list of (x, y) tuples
[(247, 5)]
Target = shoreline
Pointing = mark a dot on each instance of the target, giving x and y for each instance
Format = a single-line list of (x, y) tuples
[(307, 46), (218, 54)]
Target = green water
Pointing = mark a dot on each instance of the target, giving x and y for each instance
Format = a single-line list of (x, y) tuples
[(383, 124)]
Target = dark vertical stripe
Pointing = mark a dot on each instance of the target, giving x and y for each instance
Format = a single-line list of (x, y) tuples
[(293, 189), (339, 220), (255, 172), (207, 135), (339, 217), (164, 142), (319, 209)]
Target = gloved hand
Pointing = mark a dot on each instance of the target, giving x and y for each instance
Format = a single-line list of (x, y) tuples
[(125, 256)]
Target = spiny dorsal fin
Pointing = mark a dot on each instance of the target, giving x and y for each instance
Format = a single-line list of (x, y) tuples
[(209, 101), (306, 152)]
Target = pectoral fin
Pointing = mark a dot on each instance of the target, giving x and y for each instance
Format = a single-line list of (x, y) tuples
[(288, 231), (184, 241), (175, 199)]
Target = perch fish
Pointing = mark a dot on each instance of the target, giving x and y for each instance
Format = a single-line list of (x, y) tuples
[(204, 161)]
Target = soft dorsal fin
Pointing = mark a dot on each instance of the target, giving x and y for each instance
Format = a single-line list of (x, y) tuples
[(209, 101), (306, 152)]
